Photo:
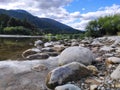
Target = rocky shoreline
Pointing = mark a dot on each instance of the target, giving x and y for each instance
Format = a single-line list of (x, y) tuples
[(89, 64)]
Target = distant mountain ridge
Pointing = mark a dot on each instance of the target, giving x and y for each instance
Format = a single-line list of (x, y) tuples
[(47, 25)]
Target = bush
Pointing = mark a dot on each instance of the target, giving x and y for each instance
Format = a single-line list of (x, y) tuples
[(108, 25), (19, 30)]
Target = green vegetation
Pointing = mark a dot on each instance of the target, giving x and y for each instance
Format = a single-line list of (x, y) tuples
[(50, 36), (17, 30), (10, 25), (108, 25)]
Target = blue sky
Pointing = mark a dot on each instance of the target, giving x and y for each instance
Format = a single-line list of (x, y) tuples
[(75, 13), (89, 5)]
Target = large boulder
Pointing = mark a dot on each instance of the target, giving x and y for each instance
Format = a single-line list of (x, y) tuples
[(67, 87), (76, 54), (69, 72)]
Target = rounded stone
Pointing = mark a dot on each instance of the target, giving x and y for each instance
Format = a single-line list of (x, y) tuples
[(69, 72), (76, 54), (30, 52)]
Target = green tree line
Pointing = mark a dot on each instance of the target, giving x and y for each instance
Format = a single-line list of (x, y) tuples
[(10, 25), (108, 25)]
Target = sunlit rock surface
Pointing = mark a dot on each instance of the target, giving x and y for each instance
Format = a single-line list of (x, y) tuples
[(25, 75), (76, 54)]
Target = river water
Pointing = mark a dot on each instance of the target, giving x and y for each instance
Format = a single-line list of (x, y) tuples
[(11, 48)]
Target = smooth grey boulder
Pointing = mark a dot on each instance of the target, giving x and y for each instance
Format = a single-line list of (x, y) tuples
[(116, 73), (67, 87), (66, 73), (76, 54)]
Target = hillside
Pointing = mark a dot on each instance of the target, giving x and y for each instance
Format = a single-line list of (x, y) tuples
[(45, 25)]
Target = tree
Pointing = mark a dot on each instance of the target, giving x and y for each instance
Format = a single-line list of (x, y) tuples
[(108, 25)]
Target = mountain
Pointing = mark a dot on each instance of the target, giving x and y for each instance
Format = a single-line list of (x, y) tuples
[(47, 25)]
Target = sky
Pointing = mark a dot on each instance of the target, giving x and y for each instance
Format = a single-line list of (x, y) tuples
[(74, 13)]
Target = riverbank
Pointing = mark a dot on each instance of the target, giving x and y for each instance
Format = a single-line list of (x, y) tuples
[(33, 74)]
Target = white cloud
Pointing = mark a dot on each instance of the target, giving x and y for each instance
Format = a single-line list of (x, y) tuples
[(55, 9), (85, 18), (83, 9)]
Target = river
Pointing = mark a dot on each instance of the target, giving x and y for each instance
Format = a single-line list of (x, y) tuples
[(12, 46)]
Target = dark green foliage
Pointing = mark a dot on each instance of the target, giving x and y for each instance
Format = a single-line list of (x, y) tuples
[(108, 25), (10, 25)]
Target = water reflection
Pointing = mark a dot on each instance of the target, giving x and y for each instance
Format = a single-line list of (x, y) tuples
[(12, 48)]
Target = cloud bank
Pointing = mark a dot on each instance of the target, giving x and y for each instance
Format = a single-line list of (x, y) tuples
[(54, 9)]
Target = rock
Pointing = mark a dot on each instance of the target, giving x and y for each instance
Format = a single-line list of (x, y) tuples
[(74, 44), (48, 44), (47, 49), (20, 75), (107, 49), (93, 69), (82, 45), (95, 49), (58, 48), (117, 42), (30, 52), (38, 56), (112, 60), (116, 73), (73, 40), (99, 59), (77, 54), (52, 53), (39, 67), (93, 81), (38, 44), (108, 55), (67, 87), (65, 74), (96, 43), (93, 87), (85, 41), (118, 50)]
